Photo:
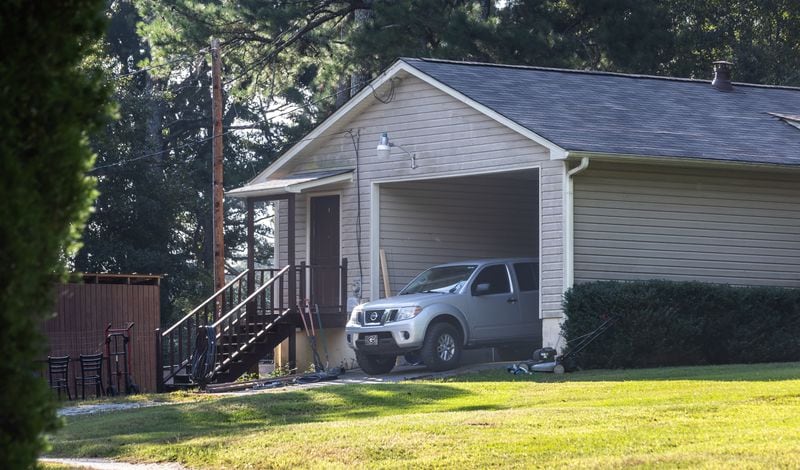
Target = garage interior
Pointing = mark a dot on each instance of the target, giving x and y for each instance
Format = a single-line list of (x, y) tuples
[(434, 221)]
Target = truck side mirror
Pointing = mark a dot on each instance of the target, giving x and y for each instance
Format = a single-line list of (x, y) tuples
[(481, 289)]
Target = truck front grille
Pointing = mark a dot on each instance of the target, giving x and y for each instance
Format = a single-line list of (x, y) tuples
[(374, 317), (378, 317)]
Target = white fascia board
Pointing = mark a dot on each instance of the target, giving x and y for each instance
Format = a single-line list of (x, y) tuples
[(318, 131), (300, 187), (244, 193), (556, 152), (679, 161)]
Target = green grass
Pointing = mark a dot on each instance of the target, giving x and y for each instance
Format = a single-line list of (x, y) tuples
[(721, 416), (54, 466)]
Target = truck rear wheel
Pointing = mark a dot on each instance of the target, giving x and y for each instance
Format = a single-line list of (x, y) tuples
[(442, 347), (373, 364)]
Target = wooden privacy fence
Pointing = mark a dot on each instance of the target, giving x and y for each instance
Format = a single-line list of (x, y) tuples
[(84, 310)]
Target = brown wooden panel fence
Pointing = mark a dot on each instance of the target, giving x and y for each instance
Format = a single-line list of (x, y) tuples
[(84, 310)]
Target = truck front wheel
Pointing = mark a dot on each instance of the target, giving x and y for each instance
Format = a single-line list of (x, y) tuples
[(442, 347), (373, 364)]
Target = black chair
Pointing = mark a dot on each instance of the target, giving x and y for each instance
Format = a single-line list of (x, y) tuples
[(58, 374), (91, 374)]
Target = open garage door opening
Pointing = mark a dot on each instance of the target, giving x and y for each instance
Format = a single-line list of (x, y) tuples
[(424, 223)]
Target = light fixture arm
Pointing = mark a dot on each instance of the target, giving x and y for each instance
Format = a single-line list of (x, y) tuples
[(385, 145)]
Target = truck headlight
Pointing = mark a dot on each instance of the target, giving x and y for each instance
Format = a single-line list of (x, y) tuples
[(358, 310), (407, 313)]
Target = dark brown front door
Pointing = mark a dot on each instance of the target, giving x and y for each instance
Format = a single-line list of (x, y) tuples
[(324, 256)]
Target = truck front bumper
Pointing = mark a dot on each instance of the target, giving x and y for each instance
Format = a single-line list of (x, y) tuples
[(391, 338)]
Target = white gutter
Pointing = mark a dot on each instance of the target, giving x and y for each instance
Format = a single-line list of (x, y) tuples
[(569, 222), (584, 165)]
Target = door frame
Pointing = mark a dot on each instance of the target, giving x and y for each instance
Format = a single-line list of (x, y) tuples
[(307, 254)]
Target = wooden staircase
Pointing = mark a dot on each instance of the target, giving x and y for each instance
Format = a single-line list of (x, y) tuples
[(248, 323), (251, 324)]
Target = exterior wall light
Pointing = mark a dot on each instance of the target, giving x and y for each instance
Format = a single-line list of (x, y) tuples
[(385, 149)]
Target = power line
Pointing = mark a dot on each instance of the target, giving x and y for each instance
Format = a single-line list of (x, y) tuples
[(158, 66), (200, 141), (185, 58)]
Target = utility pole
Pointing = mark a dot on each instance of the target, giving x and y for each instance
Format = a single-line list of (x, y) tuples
[(217, 193)]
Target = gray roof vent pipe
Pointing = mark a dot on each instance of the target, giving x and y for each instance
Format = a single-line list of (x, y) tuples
[(722, 75)]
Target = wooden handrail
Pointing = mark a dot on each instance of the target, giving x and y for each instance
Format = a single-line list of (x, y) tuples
[(199, 307), (271, 302), (251, 296)]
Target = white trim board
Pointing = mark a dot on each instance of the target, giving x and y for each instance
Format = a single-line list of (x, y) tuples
[(375, 217), (307, 201), (459, 174), (382, 80), (374, 240)]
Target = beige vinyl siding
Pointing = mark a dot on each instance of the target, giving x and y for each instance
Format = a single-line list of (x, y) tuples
[(281, 226), (438, 221), (282, 234), (714, 225), (552, 255), (449, 139)]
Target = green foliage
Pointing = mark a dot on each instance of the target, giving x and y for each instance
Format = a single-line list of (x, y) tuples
[(662, 323), (682, 37), (49, 103), (289, 64), (278, 46), (153, 214)]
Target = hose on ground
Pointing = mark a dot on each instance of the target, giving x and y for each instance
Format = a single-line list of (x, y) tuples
[(204, 355)]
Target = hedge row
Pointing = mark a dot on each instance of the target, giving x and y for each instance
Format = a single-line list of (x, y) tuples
[(664, 323)]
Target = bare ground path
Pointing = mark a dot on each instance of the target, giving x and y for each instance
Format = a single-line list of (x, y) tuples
[(104, 464)]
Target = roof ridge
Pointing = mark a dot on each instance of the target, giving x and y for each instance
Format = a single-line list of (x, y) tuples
[(592, 72)]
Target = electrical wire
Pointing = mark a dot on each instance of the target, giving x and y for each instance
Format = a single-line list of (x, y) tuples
[(388, 97), (200, 141), (158, 66), (356, 139)]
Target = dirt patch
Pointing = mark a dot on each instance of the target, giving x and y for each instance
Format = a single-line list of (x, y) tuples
[(103, 464), (104, 407)]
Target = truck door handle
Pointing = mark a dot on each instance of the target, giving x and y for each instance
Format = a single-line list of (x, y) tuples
[(512, 300)]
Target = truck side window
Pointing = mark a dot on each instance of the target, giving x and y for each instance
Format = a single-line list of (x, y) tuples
[(527, 276), (497, 278)]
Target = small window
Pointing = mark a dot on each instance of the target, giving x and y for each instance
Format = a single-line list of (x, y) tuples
[(527, 276), (497, 278)]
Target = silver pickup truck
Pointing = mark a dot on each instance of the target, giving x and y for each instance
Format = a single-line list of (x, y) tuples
[(449, 308)]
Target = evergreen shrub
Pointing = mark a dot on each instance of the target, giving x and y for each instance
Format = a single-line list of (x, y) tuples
[(666, 323), (49, 104)]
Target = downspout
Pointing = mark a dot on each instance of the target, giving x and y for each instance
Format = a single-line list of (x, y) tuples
[(569, 217)]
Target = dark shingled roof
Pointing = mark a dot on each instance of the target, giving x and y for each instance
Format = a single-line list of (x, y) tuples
[(633, 114)]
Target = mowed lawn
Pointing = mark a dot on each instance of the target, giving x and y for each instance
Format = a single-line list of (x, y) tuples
[(716, 417)]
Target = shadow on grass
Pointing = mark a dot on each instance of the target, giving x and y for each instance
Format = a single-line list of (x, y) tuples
[(108, 434), (716, 373), (104, 435)]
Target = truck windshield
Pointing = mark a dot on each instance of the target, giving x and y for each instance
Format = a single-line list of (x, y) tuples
[(444, 279)]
